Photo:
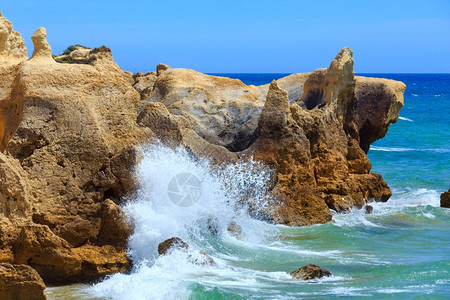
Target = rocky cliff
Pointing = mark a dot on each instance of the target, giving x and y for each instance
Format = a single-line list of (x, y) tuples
[(70, 127)]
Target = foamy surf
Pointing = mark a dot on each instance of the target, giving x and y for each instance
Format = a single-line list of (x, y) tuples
[(405, 119), (402, 149)]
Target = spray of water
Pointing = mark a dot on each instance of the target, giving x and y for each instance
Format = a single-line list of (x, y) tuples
[(181, 196)]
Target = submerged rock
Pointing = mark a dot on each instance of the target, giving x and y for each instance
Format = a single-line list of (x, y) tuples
[(20, 282), (445, 199), (368, 209), (195, 257), (165, 247), (309, 272)]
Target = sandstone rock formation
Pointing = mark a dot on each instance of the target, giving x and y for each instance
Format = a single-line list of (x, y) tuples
[(309, 272), (42, 50), (12, 45), (20, 282), (445, 199), (379, 104), (71, 126)]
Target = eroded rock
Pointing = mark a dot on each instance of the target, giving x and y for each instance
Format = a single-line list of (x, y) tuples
[(42, 50), (173, 243), (20, 282)]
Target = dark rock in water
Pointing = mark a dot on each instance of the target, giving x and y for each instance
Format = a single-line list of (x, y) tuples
[(176, 243), (310, 272), (369, 209), (172, 243), (235, 230), (445, 199)]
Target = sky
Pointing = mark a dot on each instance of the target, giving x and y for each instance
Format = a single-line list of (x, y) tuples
[(247, 36)]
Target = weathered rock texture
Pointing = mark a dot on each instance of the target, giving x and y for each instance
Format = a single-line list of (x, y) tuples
[(70, 127), (20, 282)]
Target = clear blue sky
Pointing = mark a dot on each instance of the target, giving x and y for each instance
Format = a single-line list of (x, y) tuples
[(247, 36)]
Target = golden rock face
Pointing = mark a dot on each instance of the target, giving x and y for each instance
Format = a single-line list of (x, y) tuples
[(69, 134)]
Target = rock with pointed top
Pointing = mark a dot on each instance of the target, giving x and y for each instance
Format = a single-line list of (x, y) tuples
[(20, 282), (42, 51)]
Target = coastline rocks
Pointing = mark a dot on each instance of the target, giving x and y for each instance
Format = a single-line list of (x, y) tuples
[(445, 199), (68, 137), (234, 229), (314, 148), (379, 104), (70, 134), (20, 282), (309, 272), (218, 109), (12, 45), (161, 68)]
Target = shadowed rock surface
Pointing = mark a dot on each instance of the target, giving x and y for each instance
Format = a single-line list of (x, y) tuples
[(20, 282), (70, 135)]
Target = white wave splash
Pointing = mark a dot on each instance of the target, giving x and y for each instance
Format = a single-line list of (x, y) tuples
[(401, 149), (405, 119), (156, 218)]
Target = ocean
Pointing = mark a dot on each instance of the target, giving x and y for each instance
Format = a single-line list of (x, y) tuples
[(400, 251)]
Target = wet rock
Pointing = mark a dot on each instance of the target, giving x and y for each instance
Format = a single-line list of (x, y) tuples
[(77, 232), (309, 272), (20, 282), (369, 209), (445, 199), (42, 50), (198, 258), (235, 230), (172, 243)]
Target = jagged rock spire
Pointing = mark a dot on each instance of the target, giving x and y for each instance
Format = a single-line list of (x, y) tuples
[(42, 50)]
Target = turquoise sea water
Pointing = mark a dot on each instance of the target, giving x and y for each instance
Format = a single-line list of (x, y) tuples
[(401, 251)]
